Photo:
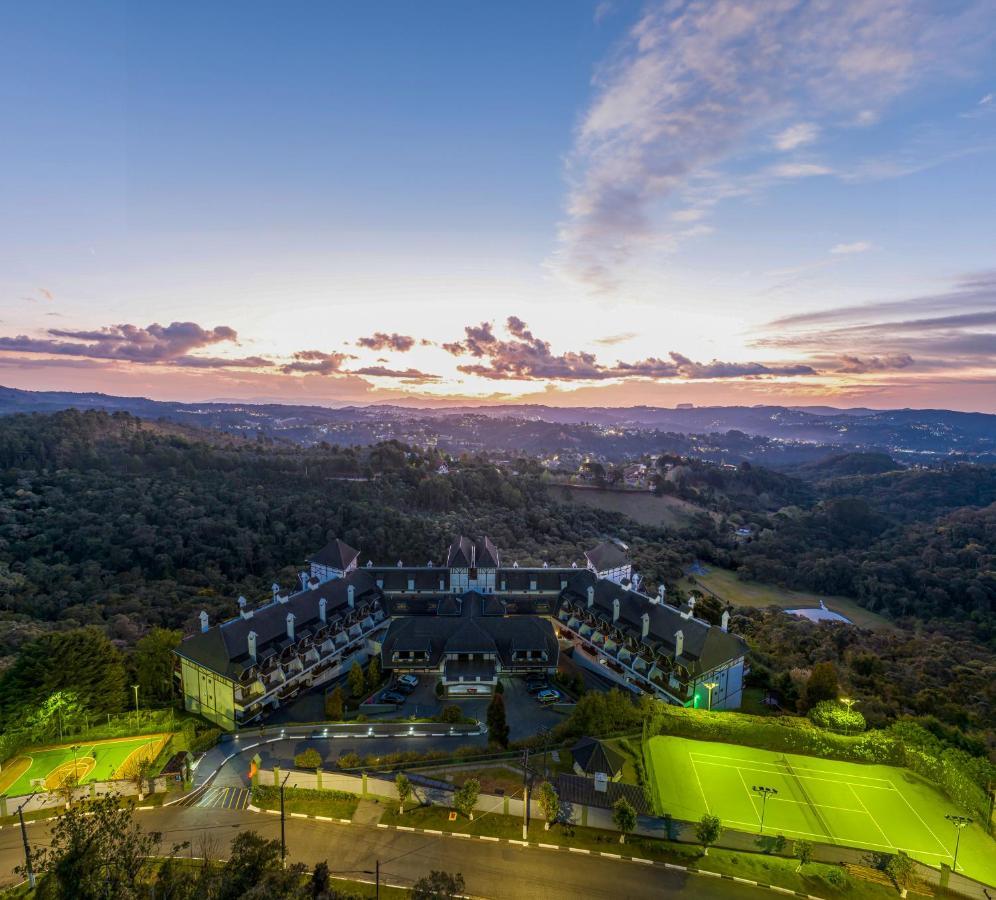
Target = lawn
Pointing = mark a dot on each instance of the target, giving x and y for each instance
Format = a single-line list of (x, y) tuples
[(93, 760), (760, 867), (725, 585), (642, 506), (873, 807), (334, 804)]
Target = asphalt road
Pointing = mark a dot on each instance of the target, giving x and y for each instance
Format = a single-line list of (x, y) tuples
[(497, 871)]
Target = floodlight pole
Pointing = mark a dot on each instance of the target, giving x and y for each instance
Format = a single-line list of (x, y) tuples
[(134, 687), (959, 823), (283, 837), (848, 702), (710, 686), (764, 793)]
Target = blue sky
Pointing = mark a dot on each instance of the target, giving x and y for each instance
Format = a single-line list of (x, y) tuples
[(616, 202)]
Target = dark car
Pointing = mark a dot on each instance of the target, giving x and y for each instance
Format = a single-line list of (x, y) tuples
[(535, 685), (392, 697), (402, 687)]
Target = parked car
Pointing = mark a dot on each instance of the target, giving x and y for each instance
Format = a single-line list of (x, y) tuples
[(403, 687), (392, 697), (535, 685), (410, 680), (549, 695)]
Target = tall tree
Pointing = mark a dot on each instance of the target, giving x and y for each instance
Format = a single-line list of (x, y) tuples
[(822, 684), (497, 724), (154, 661)]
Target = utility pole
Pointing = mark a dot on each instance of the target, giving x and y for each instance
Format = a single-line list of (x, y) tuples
[(283, 836), (27, 846), (378, 881), (959, 823), (525, 794), (764, 792)]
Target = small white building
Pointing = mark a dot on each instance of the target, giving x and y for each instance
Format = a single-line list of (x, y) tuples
[(608, 560)]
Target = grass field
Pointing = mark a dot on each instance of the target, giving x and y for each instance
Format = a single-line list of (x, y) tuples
[(725, 584), (95, 761), (642, 506), (878, 808)]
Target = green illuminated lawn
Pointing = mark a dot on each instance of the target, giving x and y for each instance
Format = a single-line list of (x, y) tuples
[(873, 807), (108, 759)]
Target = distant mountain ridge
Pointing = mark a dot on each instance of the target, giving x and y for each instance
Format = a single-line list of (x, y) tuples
[(909, 435)]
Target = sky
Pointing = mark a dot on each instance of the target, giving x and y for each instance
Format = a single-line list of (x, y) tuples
[(567, 202)]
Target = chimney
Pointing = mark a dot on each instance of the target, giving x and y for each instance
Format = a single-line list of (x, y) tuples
[(275, 588), (591, 596), (679, 643), (660, 594), (244, 610), (204, 621), (304, 580), (645, 625), (691, 605), (351, 596), (251, 637), (322, 608), (615, 609), (290, 625), (724, 622)]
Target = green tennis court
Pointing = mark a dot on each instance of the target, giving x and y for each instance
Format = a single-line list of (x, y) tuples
[(873, 807)]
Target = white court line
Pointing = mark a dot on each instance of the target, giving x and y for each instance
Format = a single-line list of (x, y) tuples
[(707, 756), (870, 816), (699, 780), (750, 796), (940, 843), (784, 771)]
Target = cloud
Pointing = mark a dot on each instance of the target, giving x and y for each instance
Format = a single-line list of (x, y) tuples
[(411, 376), (796, 136), (381, 341), (978, 289), (154, 344), (799, 170), (316, 362), (855, 365), (685, 107), (526, 357), (855, 247), (612, 339)]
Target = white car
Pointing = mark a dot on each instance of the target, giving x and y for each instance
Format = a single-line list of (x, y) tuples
[(409, 680)]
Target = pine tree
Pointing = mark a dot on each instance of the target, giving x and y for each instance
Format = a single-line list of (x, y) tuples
[(497, 725)]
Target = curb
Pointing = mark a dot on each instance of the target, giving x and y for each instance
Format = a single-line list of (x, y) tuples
[(557, 848)]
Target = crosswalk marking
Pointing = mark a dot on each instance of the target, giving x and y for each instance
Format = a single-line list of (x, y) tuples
[(218, 798)]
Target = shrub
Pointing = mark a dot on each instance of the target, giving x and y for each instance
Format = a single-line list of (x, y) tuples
[(205, 741), (833, 715), (440, 690), (465, 797), (334, 705), (451, 714), (836, 877), (349, 760), (308, 759)]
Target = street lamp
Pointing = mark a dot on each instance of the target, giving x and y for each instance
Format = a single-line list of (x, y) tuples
[(711, 686), (848, 702), (283, 837), (134, 687), (959, 822), (76, 773), (764, 793)]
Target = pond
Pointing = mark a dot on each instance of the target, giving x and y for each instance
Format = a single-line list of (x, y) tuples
[(819, 614)]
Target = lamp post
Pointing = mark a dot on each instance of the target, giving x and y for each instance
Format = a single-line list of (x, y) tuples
[(283, 837), (848, 702), (76, 773), (764, 792), (134, 687), (959, 823), (710, 686)]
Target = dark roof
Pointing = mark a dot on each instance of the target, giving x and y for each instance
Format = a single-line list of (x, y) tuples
[(469, 668), (471, 632), (335, 554), (581, 790), (594, 756), (466, 554), (225, 647), (513, 580), (705, 646), (607, 555)]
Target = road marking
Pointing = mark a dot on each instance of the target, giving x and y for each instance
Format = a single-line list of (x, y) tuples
[(487, 837), (520, 843), (699, 782), (578, 850), (744, 880), (404, 827), (870, 816), (431, 831), (711, 874), (381, 825), (675, 866), (298, 816), (940, 843), (459, 834), (548, 846), (325, 818), (610, 855), (640, 859)]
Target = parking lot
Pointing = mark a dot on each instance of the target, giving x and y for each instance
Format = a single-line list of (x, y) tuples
[(525, 715)]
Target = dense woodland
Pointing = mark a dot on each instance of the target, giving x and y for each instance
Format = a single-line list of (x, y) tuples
[(124, 525)]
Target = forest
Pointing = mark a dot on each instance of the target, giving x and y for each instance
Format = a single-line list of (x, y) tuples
[(119, 526)]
